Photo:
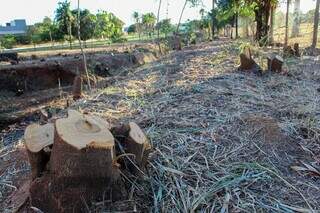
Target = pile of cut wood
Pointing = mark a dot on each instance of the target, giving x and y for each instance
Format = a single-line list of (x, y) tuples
[(78, 159)]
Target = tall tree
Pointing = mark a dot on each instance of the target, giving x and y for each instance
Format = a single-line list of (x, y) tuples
[(64, 19), (148, 21), (213, 18), (296, 19), (287, 24), (158, 20), (315, 26), (84, 59), (193, 4), (136, 17)]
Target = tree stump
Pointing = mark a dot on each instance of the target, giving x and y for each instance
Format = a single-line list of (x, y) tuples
[(296, 50), (38, 139), (177, 42), (77, 88), (134, 141), (82, 166), (275, 63), (288, 51)]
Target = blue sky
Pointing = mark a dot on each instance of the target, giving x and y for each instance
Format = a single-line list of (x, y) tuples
[(35, 10)]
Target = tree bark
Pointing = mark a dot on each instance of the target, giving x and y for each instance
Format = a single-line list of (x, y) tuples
[(84, 59), (271, 25), (316, 26), (296, 20), (158, 30), (180, 18), (287, 24), (237, 27), (213, 19)]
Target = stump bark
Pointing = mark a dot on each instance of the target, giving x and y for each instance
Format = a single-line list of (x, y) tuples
[(38, 139), (82, 166), (275, 63), (77, 88), (134, 141)]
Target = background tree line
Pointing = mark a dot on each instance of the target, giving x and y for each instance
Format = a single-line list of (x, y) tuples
[(103, 25)]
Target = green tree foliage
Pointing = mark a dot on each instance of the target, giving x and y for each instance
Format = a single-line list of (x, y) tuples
[(148, 21), (87, 24), (7, 41), (132, 28), (34, 34), (65, 19), (108, 26), (165, 26)]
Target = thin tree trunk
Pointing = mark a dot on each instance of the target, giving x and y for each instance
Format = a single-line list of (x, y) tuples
[(50, 34), (237, 28), (184, 7), (213, 19), (296, 20), (81, 48), (158, 20), (70, 34), (287, 24), (271, 25), (315, 26)]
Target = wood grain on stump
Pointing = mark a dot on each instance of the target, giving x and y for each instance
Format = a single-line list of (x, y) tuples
[(82, 166), (85, 146), (37, 138)]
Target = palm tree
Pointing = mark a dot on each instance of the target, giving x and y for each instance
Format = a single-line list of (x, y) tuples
[(136, 17), (64, 19), (315, 26), (149, 20), (193, 3)]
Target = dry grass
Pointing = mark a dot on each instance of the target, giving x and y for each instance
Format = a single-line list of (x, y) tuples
[(207, 157), (223, 140)]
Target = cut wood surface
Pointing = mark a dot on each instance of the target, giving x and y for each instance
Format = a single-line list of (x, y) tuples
[(81, 131), (37, 138), (138, 144), (85, 146)]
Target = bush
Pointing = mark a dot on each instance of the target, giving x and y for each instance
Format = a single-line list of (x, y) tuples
[(8, 41), (118, 40)]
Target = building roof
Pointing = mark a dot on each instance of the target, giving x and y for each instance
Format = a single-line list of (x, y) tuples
[(17, 26)]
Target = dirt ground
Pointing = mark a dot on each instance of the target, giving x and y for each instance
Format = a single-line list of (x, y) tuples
[(223, 140)]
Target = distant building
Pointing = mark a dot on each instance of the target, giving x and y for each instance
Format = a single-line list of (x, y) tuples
[(15, 27)]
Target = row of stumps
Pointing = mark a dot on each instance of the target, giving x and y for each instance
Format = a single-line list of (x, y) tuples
[(78, 159), (275, 61)]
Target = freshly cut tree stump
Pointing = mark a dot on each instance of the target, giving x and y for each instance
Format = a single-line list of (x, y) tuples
[(37, 140), (247, 62), (177, 42), (77, 88), (288, 51), (85, 146), (82, 166), (296, 50), (275, 63), (134, 141)]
